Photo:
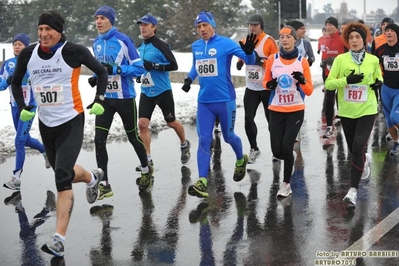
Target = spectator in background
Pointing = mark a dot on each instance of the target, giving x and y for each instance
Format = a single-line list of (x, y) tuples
[(382, 38), (254, 91)]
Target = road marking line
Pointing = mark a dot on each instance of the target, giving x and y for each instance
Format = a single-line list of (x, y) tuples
[(376, 233)]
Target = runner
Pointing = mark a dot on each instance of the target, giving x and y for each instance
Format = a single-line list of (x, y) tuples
[(22, 137), (254, 91), (116, 51), (212, 55), (54, 66), (288, 76), (387, 53), (155, 86), (355, 75)]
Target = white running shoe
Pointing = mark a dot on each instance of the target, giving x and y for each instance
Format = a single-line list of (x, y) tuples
[(367, 167), (285, 190), (253, 155), (351, 197), (13, 184)]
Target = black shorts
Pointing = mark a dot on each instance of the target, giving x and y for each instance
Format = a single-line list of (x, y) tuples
[(164, 101)]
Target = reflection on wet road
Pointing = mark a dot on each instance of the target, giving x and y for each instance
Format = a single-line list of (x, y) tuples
[(239, 224)]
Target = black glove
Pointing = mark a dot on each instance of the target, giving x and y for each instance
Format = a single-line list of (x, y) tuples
[(299, 76), (310, 61), (150, 65), (250, 44), (272, 84), (354, 78), (239, 64), (112, 70), (259, 60), (92, 81), (187, 84), (138, 79), (376, 85), (9, 79)]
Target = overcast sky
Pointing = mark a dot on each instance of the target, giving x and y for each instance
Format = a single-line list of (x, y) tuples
[(371, 5)]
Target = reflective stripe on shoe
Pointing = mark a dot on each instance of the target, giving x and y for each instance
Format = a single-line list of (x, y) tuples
[(239, 171), (13, 184), (199, 189), (105, 191)]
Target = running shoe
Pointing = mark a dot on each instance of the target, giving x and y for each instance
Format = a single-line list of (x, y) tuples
[(388, 137), (13, 184), (351, 197), (55, 248), (275, 159), (285, 190), (146, 179), (185, 153), (139, 167), (329, 133), (367, 168), (199, 189), (253, 155), (239, 171), (93, 192), (395, 149), (105, 191)]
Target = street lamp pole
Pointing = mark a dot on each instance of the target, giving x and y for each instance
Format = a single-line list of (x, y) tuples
[(300, 9)]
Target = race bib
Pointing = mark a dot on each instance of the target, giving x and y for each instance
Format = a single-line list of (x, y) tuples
[(49, 95), (287, 97), (207, 67), (146, 80), (391, 63), (254, 73), (114, 84), (355, 93)]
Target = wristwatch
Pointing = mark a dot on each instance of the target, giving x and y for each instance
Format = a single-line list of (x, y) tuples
[(101, 97), (118, 70)]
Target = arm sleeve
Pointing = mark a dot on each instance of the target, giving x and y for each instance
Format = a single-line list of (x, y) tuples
[(167, 52), (268, 72), (308, 87), (309, 50), (94, 65), (333, 80), (19, 73)]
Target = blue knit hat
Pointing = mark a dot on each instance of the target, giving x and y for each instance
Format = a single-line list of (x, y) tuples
[(22, 37), (107, 12), (207, 17)]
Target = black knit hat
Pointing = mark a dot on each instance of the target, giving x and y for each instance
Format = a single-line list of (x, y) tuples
[(256, 19), (393, 27), (53, 19), (332, 21), (387, 19), (296, 24)]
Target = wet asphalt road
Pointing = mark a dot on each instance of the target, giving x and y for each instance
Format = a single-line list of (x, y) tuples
[(240, 224)]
